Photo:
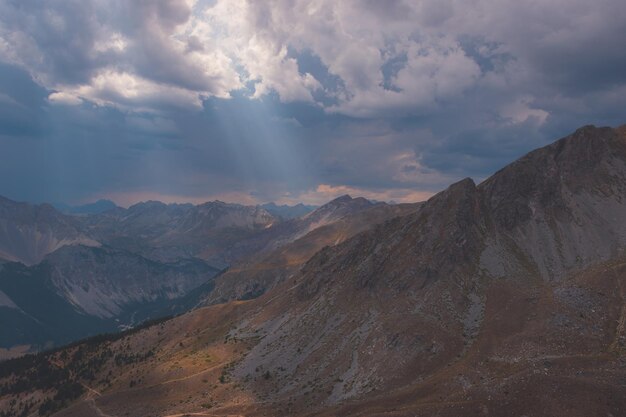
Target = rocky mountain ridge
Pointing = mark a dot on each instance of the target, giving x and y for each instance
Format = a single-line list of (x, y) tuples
[(146, 262), (493, 299)]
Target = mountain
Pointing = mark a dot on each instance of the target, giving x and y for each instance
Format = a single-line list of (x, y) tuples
[(29, 232), (96, 207), (288, 212), (267, 258), (220, 233), (172, 231), (78, 291), (148, 266), (503, 298), (301, 239), (288, 231)]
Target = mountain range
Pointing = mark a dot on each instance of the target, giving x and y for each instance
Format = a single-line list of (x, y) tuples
[(66, 277), (497, 299), (288, 212)]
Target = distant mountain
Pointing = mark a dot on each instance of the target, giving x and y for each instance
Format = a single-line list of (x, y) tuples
[(288, 212), (295, 241), (220, 233), (79, 291), (172, 231), (99, 206), (29, 232), (144, 262), (243, 248), (503, 298)]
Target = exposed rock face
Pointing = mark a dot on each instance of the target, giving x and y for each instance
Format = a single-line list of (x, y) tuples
[(30, 232), (104, 282), (559, 208), (403, 298)]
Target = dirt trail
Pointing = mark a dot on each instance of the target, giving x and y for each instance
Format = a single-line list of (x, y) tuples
[(202, 414), (170, 381), (94, 406), (91, 390)]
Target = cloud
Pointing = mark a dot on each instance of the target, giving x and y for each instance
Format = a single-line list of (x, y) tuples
[(403, 57), (129, 91), (113, 52), (325, 192), (64, 98), (293, 99)]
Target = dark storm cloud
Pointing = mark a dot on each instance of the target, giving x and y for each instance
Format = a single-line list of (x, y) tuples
[(56, 41), (293, 99), (20, 103)]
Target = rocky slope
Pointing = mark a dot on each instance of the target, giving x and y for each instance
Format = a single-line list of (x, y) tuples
[(79, 291), (103, 282), (506, 298)]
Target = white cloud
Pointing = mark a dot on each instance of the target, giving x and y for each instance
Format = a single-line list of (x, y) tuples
[(125, 53), (195, 49), (132, 92), (64, 98), (520, 111)]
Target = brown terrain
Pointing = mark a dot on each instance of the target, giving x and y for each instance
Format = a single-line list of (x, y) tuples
[(502, 299)]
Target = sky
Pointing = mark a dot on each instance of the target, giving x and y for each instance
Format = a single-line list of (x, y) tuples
[(290, 100)]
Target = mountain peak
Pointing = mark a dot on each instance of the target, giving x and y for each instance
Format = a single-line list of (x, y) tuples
[(340, 206), (462, 185), (342, 199), (147, 204)]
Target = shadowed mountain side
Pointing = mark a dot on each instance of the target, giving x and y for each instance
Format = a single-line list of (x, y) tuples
[(79, 291)]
